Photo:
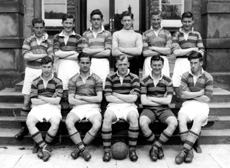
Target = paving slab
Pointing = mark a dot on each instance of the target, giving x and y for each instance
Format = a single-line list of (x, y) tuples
[(213, 156)]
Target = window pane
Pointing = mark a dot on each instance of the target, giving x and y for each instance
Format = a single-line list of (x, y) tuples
[(125, 5), (103, 5), (171, 12), (54, 9)]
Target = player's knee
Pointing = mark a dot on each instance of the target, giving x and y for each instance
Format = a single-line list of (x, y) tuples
[(143, 123), (108, 117), (173, 124), (69, 123), (55, 124)]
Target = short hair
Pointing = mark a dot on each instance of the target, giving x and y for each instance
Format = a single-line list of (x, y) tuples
[(96, 12), (156, 58), (121, 58), (67, 16), (84, 55), (127, 13), (195, 55), (38, 20), (187, 14), (156, 11), (46, 60)]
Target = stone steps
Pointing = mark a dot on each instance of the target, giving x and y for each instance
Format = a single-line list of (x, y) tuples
[(207, 137)]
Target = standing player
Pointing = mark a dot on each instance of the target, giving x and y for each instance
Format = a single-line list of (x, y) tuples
[(128, 42), (46, 93), (122, 89), (85, 94), (197, 90), (34, 49), (156, 95), (67, 46), (156, 41), (185, 41), (99, 43)]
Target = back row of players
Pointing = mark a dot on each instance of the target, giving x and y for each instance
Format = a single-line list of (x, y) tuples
[(83, 69)]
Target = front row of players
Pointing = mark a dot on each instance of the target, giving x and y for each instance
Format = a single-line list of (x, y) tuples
[(122, 89)]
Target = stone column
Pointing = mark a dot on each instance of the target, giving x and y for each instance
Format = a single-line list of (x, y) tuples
[(11, 39), (216, 33)]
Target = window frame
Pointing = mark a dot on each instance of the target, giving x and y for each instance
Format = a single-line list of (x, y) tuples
[(51, 22), (172, 22)]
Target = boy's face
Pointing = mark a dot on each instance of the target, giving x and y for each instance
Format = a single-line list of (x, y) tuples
[(127, 22), (38, 29), (96, 21), (47, 70), (68, 25), (156, 21), (187, 23), (157, 67), (196, 65), (122, 66), (84, 64)]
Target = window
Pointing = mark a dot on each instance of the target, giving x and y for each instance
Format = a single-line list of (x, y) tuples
[(52, 11), (171, 11)]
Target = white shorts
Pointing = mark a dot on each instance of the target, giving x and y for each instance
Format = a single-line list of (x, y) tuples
[(45, 112), (147, 68), (182, 65), (85, 111), (101, 68), (122, 110), (65, 70), (194, 108), (30, 75)]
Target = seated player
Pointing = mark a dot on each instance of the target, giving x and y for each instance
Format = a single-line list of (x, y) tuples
[(85, 94), (197, 90), (46, 93), (122, 89), (156, 95)]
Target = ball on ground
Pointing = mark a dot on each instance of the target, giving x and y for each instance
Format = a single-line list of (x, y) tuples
[(119, 150)]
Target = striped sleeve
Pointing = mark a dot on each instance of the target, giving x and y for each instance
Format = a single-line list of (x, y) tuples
[(58, 88), (143, 87), (99, 84), (34, 90), (56, 43), (168, 40), (26, 46), (108, 41), (71, 85), (175, 44), (169, 86), (136, 86), (145, 41), (184, 82), (209, 86), (108, 86), (200, 44), (50, 49)]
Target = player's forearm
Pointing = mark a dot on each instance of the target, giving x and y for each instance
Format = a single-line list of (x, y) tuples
[(131, 51), (32, 57), (92, 99), (161, 50), (76, 102), (183, 52), (190, 95), (36, 101), (161, 100), (92, 51), (103, 54), (149, 53), (64, 54), (129, 98), (51, 100), (116, 53), (203, 98), (147, 102), (113, 99)]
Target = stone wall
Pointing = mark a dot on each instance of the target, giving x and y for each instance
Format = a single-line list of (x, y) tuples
[(11, 38)]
